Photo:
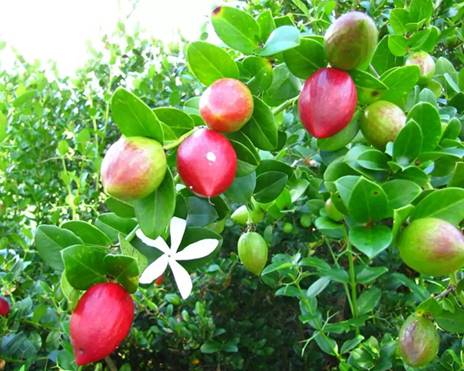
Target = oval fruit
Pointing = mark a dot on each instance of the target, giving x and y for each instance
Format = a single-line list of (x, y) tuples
[(207, 162), (332, 212), (418, 341), (252, 251), (100, 322), (327, 102), (287, 228), (425, 63), (432, 246), (381, 123), (226, 105), (350, 41), (240, 215), (306, 220), (133, 167), (4, 307)]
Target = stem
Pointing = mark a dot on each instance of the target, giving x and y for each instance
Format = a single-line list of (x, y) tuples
[(68, 188), (284, 105), (352, 277), (179, 140), (110, 364), (131, 234)]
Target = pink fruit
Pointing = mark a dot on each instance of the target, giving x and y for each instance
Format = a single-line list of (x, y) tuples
[(100, 322), (207, 162), (226, 105), (327, 102), (133, 168), (4, 307)]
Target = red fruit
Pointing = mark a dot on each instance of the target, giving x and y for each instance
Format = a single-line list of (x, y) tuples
[(4, 307), (226, 105), (159, 281), (100, 322), (207, 162), (327, 102)]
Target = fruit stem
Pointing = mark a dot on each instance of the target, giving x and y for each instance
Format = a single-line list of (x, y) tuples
[(110, 364), (179, 140), (284, 105)]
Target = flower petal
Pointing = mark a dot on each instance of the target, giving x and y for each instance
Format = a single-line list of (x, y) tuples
[(197, 249), (177, 232), (182, 277), (154, 270), (159, 243)]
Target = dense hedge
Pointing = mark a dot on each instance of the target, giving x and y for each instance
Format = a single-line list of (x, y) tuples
[(299, 314)]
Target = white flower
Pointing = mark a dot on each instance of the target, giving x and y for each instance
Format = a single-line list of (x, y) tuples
[(170, 256)]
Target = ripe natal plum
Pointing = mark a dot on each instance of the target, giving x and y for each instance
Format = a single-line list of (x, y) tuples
[(226, 105), (207, 162), (327, 102), (100, 322), (133, 168), (418, 341), (350, 41), (381, 123), (432, 246), (252, 251), (4, 307)]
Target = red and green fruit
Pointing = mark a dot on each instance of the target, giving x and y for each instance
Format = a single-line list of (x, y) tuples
[(327, 102), (133, 168), (432, 246), (381, 123), (252, 251), (425, 63), (4, 307), (418, 341), (332, 212), (100, 322), (226, 105), (350, 41), (207, 163)]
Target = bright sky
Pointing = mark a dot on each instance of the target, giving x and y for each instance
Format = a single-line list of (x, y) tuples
[(60, 29)]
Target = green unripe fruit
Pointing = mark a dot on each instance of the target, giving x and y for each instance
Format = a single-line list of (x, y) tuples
[(332, 212), (306, 221), (133, 168), (418, 341), (351, 40), (381, 123), (252, 251), (432, 246), (287, 228), (240, 215), (425, 63)]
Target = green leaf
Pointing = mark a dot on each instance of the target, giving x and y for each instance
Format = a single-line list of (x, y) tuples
[(373, 159), (87, 232), (208, 62), (284, 86), (266, 24), (84, 265), (247, 155), (383, 59), (133, 117), (236, 29), (274, 165), (452, 322), (326, 344), (408, 144), (72, 295), (446, 204), (428, 118), (175, 122), (399, 216), (342, 138), (349, 345), (371, 241), (368, 202), (200, 212), (242, 188), (457, 180), (50, 240), (112, 225), (400, 81), (420, 10), (258, 72), (124, 269), (129, 250), (345, 186), (401, 192), (329, 228), (156, 210), (398, 20), (3, 126), (398, 45), (318, 286), (306, 58), (261, 128), (369, 274), (281, 39), (269, 185), (120, 208), (368, 300)]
